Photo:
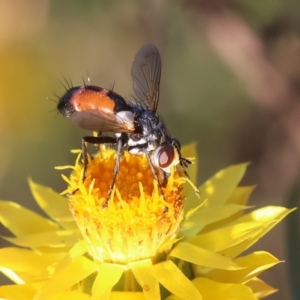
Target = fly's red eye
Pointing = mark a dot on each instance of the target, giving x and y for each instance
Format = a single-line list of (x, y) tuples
[(166, 156)]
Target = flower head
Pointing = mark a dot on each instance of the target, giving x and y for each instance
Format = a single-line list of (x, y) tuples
[(140, 239), (138, 221)]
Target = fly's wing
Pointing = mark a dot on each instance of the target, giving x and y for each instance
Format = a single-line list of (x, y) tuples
[(97, 120), (145, 72)]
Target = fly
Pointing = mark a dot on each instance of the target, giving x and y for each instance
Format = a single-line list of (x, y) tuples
[(136, 125)]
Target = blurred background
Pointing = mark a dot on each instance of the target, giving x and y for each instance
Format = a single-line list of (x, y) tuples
[(230, 81)]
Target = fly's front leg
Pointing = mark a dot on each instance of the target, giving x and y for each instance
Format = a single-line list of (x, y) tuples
[(184, 162), (155, 175), (116, 170), (93, 140)]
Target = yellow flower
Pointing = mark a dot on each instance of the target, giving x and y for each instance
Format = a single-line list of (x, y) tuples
[(139, 244), (137, 222)]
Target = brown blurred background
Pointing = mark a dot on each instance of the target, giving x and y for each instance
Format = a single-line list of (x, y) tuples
[(230, 81)]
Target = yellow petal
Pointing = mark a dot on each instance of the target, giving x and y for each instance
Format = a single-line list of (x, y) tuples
[(79, 269), (193, 201), (267, 213), (241, 195), (24, 277), (15, 277), (191, 193), (58, 238), (79, 249), (207, 215), (16, 218), (254, 264), (71, 295), (190, 150), (108, 275), (270, 216), (17, 292), (202, 257), (144, 274), (260, 289), (173, 297), (226, 237), (127, 296), (174, 281), (54, 205), (219, 188), (23, 260), (192, 211), (212, 290)]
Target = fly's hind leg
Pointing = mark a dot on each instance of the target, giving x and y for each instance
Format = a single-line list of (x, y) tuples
[(101, 140), (155, 175)]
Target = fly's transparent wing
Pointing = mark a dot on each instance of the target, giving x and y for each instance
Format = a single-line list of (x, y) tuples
[(97, 120), (145, 72)]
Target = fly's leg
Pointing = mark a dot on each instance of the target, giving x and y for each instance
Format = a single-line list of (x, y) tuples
[(116, 170), (93, 140), (154, 173)]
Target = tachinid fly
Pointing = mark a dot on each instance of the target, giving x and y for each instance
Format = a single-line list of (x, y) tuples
[(136, 125)]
